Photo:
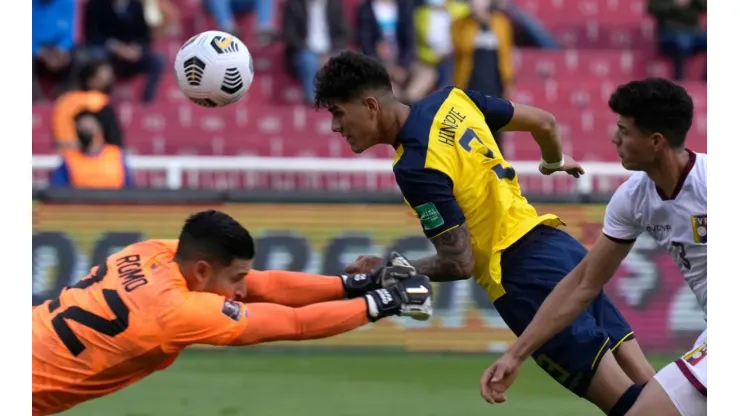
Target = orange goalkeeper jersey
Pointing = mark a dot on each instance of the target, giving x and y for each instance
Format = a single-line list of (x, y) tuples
[(133, 314), (107, 331)]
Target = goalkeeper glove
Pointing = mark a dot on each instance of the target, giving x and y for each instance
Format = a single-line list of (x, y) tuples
[(396, 269), (410, 297)]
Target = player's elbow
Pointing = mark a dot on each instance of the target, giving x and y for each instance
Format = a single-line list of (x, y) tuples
[(532, 119), (459, 269), (545, 124), (466, 269)]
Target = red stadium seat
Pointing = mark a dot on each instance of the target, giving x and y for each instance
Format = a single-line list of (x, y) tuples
[(554, 94), (585, 65)]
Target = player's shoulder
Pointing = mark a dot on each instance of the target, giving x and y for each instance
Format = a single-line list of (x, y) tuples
[(145, 272), (633, 191), (424, 119), (635, 185), (415, 131), (147, 252), (432, 102)]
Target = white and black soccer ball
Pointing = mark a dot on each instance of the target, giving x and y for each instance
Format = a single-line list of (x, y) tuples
[(214, 69)]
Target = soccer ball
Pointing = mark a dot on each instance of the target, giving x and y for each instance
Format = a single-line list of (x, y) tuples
[(214, 69)]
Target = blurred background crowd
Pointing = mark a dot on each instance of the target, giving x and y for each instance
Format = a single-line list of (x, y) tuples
[(103, 82)]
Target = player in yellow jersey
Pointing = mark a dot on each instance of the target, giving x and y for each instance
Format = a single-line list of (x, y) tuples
[(470, 206)]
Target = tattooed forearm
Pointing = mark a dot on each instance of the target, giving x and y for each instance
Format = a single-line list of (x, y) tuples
[(454, 258)]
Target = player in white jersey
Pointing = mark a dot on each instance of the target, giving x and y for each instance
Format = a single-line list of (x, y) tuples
[(666, 198)]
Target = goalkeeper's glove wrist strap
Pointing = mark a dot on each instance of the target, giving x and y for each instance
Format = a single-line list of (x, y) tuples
[(382, 303), (356, 285), (372, 308)]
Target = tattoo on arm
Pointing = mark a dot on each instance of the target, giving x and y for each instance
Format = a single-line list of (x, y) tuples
[(454, 259)]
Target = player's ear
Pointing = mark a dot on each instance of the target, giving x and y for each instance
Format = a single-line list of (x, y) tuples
[(372, 105), (202, 271), (658, 141)]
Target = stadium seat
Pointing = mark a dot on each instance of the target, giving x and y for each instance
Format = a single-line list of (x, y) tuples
[(586, 65)]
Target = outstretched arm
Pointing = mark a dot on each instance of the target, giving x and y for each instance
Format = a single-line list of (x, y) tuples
[(206, 318), (270, 322), (503, 115), (293, 289), (541, 125)]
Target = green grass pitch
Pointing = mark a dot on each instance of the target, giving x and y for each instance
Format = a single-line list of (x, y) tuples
[(259, 382)]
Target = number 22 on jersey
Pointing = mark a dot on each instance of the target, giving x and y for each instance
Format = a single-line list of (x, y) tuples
[(466, 142), (108, 327)]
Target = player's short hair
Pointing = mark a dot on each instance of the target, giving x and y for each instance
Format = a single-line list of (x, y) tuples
[(657, 105), (215, 237), (348, 75)]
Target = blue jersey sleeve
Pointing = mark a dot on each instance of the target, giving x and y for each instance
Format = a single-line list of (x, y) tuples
[(429, 193), (497, 112), (60, 177)]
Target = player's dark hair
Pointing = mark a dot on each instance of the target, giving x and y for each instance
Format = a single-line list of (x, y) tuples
[(656, 105), (215, 237), (88, 70), (348, 75)]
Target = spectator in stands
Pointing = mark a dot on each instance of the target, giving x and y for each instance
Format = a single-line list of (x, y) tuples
[(94, 164), (223, 11), (484, 45), (385, 30), (433, 65), (91, 96), (680, 32), (528, 30), (161, 16), (313, 30), (52, 37), (118, 30)]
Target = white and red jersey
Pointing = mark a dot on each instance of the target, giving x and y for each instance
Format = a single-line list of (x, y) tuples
[(676, 222)]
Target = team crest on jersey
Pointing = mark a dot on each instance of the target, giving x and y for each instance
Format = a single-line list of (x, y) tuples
[(699, 226), (232, 309), (696, 355)]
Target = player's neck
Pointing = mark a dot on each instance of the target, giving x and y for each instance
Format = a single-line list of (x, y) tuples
[(396, 119), (670, 171), (181, 267)]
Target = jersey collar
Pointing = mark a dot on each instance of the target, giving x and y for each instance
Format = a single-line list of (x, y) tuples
[(681, 180)]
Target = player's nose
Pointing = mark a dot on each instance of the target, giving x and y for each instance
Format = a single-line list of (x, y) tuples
[(335, 126), (241, 291)]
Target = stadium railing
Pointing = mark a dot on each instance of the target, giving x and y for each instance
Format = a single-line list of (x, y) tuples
[(600, 176)]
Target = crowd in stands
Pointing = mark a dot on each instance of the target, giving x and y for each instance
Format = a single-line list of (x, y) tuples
[(81, 48)]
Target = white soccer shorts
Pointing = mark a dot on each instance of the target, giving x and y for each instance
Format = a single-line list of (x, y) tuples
[(685, 380)]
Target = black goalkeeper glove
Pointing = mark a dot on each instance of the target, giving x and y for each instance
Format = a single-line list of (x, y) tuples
[(397, 268), (410, 297)]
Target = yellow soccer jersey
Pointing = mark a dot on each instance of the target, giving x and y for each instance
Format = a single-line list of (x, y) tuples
[(451, 172)]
